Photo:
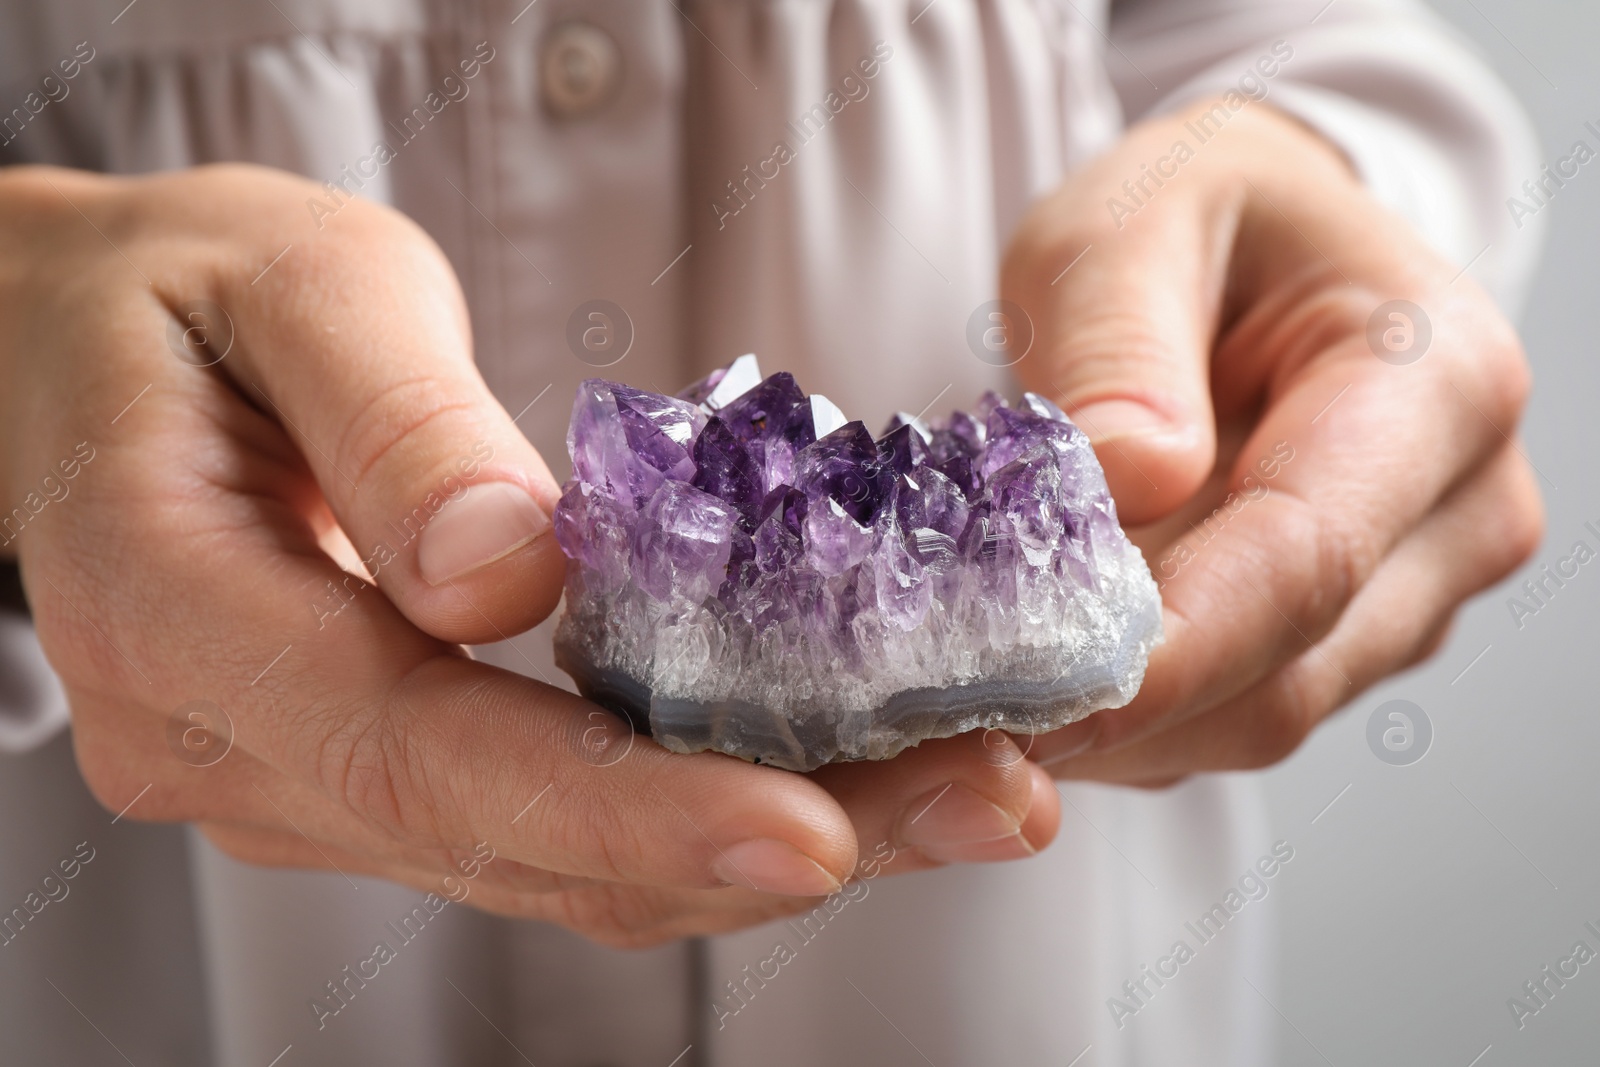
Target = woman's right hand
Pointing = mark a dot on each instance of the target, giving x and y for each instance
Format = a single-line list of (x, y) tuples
[(209, 545)]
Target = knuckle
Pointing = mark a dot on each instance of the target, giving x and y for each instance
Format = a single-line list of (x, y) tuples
[(38, 194), (134, 788), (162, 805), (616, 916), (229, 842), (1430, 643), (1346, 557), (74, 649), (1325, 316), (360, 772), (105, 685), (728, 920), (369, 252), (606, 846), (395, 425), (1492, 364), (1520, 520), (992, 763), (113, 782), (375, 767), (1043, 236), (1280, 725), (1510, 378), (1114, 353), (244, 845), (1156, 785), (1338, 558), (368, 233), (1525, 529)]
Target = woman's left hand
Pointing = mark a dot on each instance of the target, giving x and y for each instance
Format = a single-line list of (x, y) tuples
[(1307, 419)]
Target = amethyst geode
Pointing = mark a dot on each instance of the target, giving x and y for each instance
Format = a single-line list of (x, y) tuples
[(753, 574)]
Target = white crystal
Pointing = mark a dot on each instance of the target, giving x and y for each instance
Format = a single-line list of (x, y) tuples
[(825, 415), (743, 375)]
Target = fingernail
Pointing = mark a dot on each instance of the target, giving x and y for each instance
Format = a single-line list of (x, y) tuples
[(773, 867), (1071, 740), (955, 817), (492, 520), (1114, 420)]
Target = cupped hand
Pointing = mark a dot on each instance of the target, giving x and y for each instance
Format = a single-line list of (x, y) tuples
[(1317, 474), (257, 576)]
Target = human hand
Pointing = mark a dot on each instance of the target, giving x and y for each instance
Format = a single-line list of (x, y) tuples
[(1213, 341), (211, 542)]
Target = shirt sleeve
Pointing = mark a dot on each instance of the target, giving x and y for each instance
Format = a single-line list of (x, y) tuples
[(1429, 128)]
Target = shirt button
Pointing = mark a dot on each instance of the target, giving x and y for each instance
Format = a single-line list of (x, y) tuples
[(580, 68)]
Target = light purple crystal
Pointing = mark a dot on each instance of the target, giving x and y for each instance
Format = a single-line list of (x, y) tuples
[(753, 574)]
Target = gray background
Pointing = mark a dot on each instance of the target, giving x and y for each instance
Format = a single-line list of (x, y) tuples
[(1411, 917)]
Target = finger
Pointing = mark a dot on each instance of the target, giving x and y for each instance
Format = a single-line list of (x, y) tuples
[(506, 759), (1347, 481), (629, 916), (1289, 565), (376, 719), (260, 846), (438, 870), (965, 799), (358, 342), (613, 914), (460, 876), (1482, 532), (142, 768), (635, 916), (1123, 337)]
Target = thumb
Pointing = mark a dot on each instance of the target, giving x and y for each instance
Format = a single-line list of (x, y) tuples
[(360, 347), (1123, 322)]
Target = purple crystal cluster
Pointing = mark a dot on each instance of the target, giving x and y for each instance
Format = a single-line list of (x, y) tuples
[(752, 573)]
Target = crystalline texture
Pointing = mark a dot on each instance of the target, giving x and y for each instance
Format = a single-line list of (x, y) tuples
[(753, 574)]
